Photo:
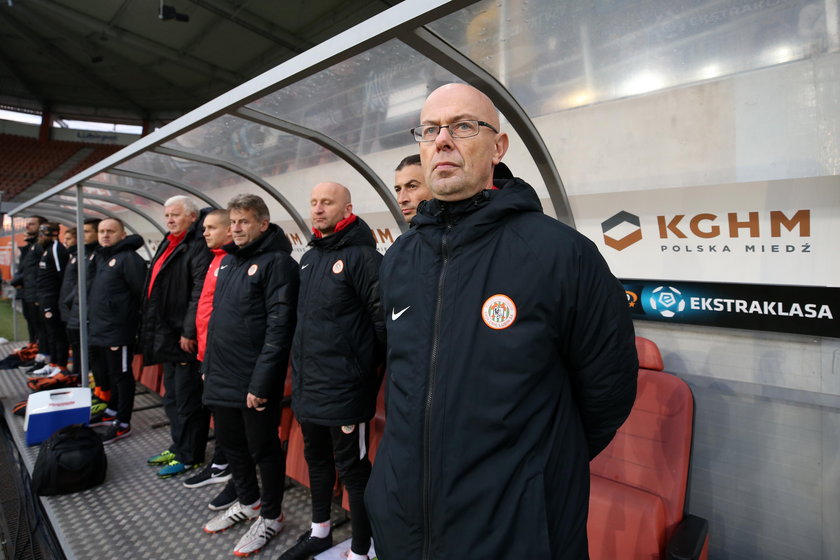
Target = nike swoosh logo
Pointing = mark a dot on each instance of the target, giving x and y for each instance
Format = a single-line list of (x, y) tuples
[(395, 315), (304, 266), (225, 266)]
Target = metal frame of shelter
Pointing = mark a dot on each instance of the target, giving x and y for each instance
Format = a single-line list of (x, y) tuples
[(404, 22)]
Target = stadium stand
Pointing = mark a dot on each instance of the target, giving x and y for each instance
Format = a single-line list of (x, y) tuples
[(24, 160)]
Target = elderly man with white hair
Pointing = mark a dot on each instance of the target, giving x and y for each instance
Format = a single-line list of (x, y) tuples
[(168, 336)]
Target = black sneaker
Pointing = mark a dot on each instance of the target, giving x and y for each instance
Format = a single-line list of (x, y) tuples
[(307, 546), (226, 498), (208, 475), (115, 432)]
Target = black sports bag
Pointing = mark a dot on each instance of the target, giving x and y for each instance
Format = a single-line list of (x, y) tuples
[(71, 460)]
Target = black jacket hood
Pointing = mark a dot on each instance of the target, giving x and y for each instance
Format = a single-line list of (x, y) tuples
[(357, 233), (130, 243)]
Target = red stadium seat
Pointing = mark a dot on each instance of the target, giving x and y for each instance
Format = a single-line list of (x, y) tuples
[(639, 482)]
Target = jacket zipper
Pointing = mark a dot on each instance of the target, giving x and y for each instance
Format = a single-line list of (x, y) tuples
[(430, 390)]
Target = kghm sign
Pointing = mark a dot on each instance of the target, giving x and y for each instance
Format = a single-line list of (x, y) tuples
[(809, 310), (713, 232)]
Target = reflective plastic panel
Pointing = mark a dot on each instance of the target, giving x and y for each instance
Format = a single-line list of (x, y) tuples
[(367, 103), (263, 150), (555, 55), (160, 190)]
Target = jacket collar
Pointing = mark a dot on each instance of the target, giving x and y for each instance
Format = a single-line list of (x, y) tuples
[(479, 214), (355, 232), (272, 239), (338, 227)]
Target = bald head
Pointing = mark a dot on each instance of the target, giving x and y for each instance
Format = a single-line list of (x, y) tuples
[(458, 168), (329, 204)]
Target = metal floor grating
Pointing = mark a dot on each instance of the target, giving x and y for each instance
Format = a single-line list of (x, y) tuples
[(135, 515)]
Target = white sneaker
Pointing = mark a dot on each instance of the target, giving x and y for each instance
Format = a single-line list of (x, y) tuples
[(262, 530), (230, 517), (44, 371)]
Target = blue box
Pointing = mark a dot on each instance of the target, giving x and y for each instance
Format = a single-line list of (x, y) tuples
[(49, 411)]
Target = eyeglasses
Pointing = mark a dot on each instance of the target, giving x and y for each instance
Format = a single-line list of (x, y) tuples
[(460, 129)]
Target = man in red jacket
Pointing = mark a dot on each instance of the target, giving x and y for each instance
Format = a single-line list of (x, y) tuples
[(216, 234)]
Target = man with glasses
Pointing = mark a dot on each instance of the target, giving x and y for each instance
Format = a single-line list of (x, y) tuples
[(511, 359)]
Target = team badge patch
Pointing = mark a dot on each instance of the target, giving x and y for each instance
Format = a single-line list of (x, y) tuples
[(48, 314), (338, 266), (347, 429), (498, 312), (253, 270), (112, 262)]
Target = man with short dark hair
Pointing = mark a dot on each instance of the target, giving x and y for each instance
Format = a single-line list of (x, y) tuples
[(511, 359), (26, 279), (51, 268), (69, 297), (248, 343), (410, 186), (115, 297), (168, 335), (338, 350), (216, 235)]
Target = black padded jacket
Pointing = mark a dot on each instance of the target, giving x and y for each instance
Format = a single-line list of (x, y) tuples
[(250, 332), (68, 299), (26, 275), (169, 312), (340, 340), (51, 269), (511, 363), (116, 293)]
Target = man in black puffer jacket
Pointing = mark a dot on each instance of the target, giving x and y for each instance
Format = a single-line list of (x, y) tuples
[(69, 296), (247, 353), (336, 359), (26, 278), (511, 360), (115, 297), (48, 287), (168, 333)]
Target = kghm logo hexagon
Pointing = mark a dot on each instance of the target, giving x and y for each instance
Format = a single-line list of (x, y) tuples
[(622, 230)]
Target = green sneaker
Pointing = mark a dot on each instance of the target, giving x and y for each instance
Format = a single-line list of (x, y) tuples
[(161, 458), (97, 407), (175, 468)]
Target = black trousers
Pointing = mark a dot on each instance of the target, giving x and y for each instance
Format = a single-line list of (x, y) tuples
[(74, 339), (116, 363), (55, 333), (250, 439), (189, 419), (99, 368), (33, 321), (327, 448)]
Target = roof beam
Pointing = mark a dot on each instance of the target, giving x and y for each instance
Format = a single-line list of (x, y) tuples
[(33, 90), (173, 55), (256, 25), (68, 62)]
